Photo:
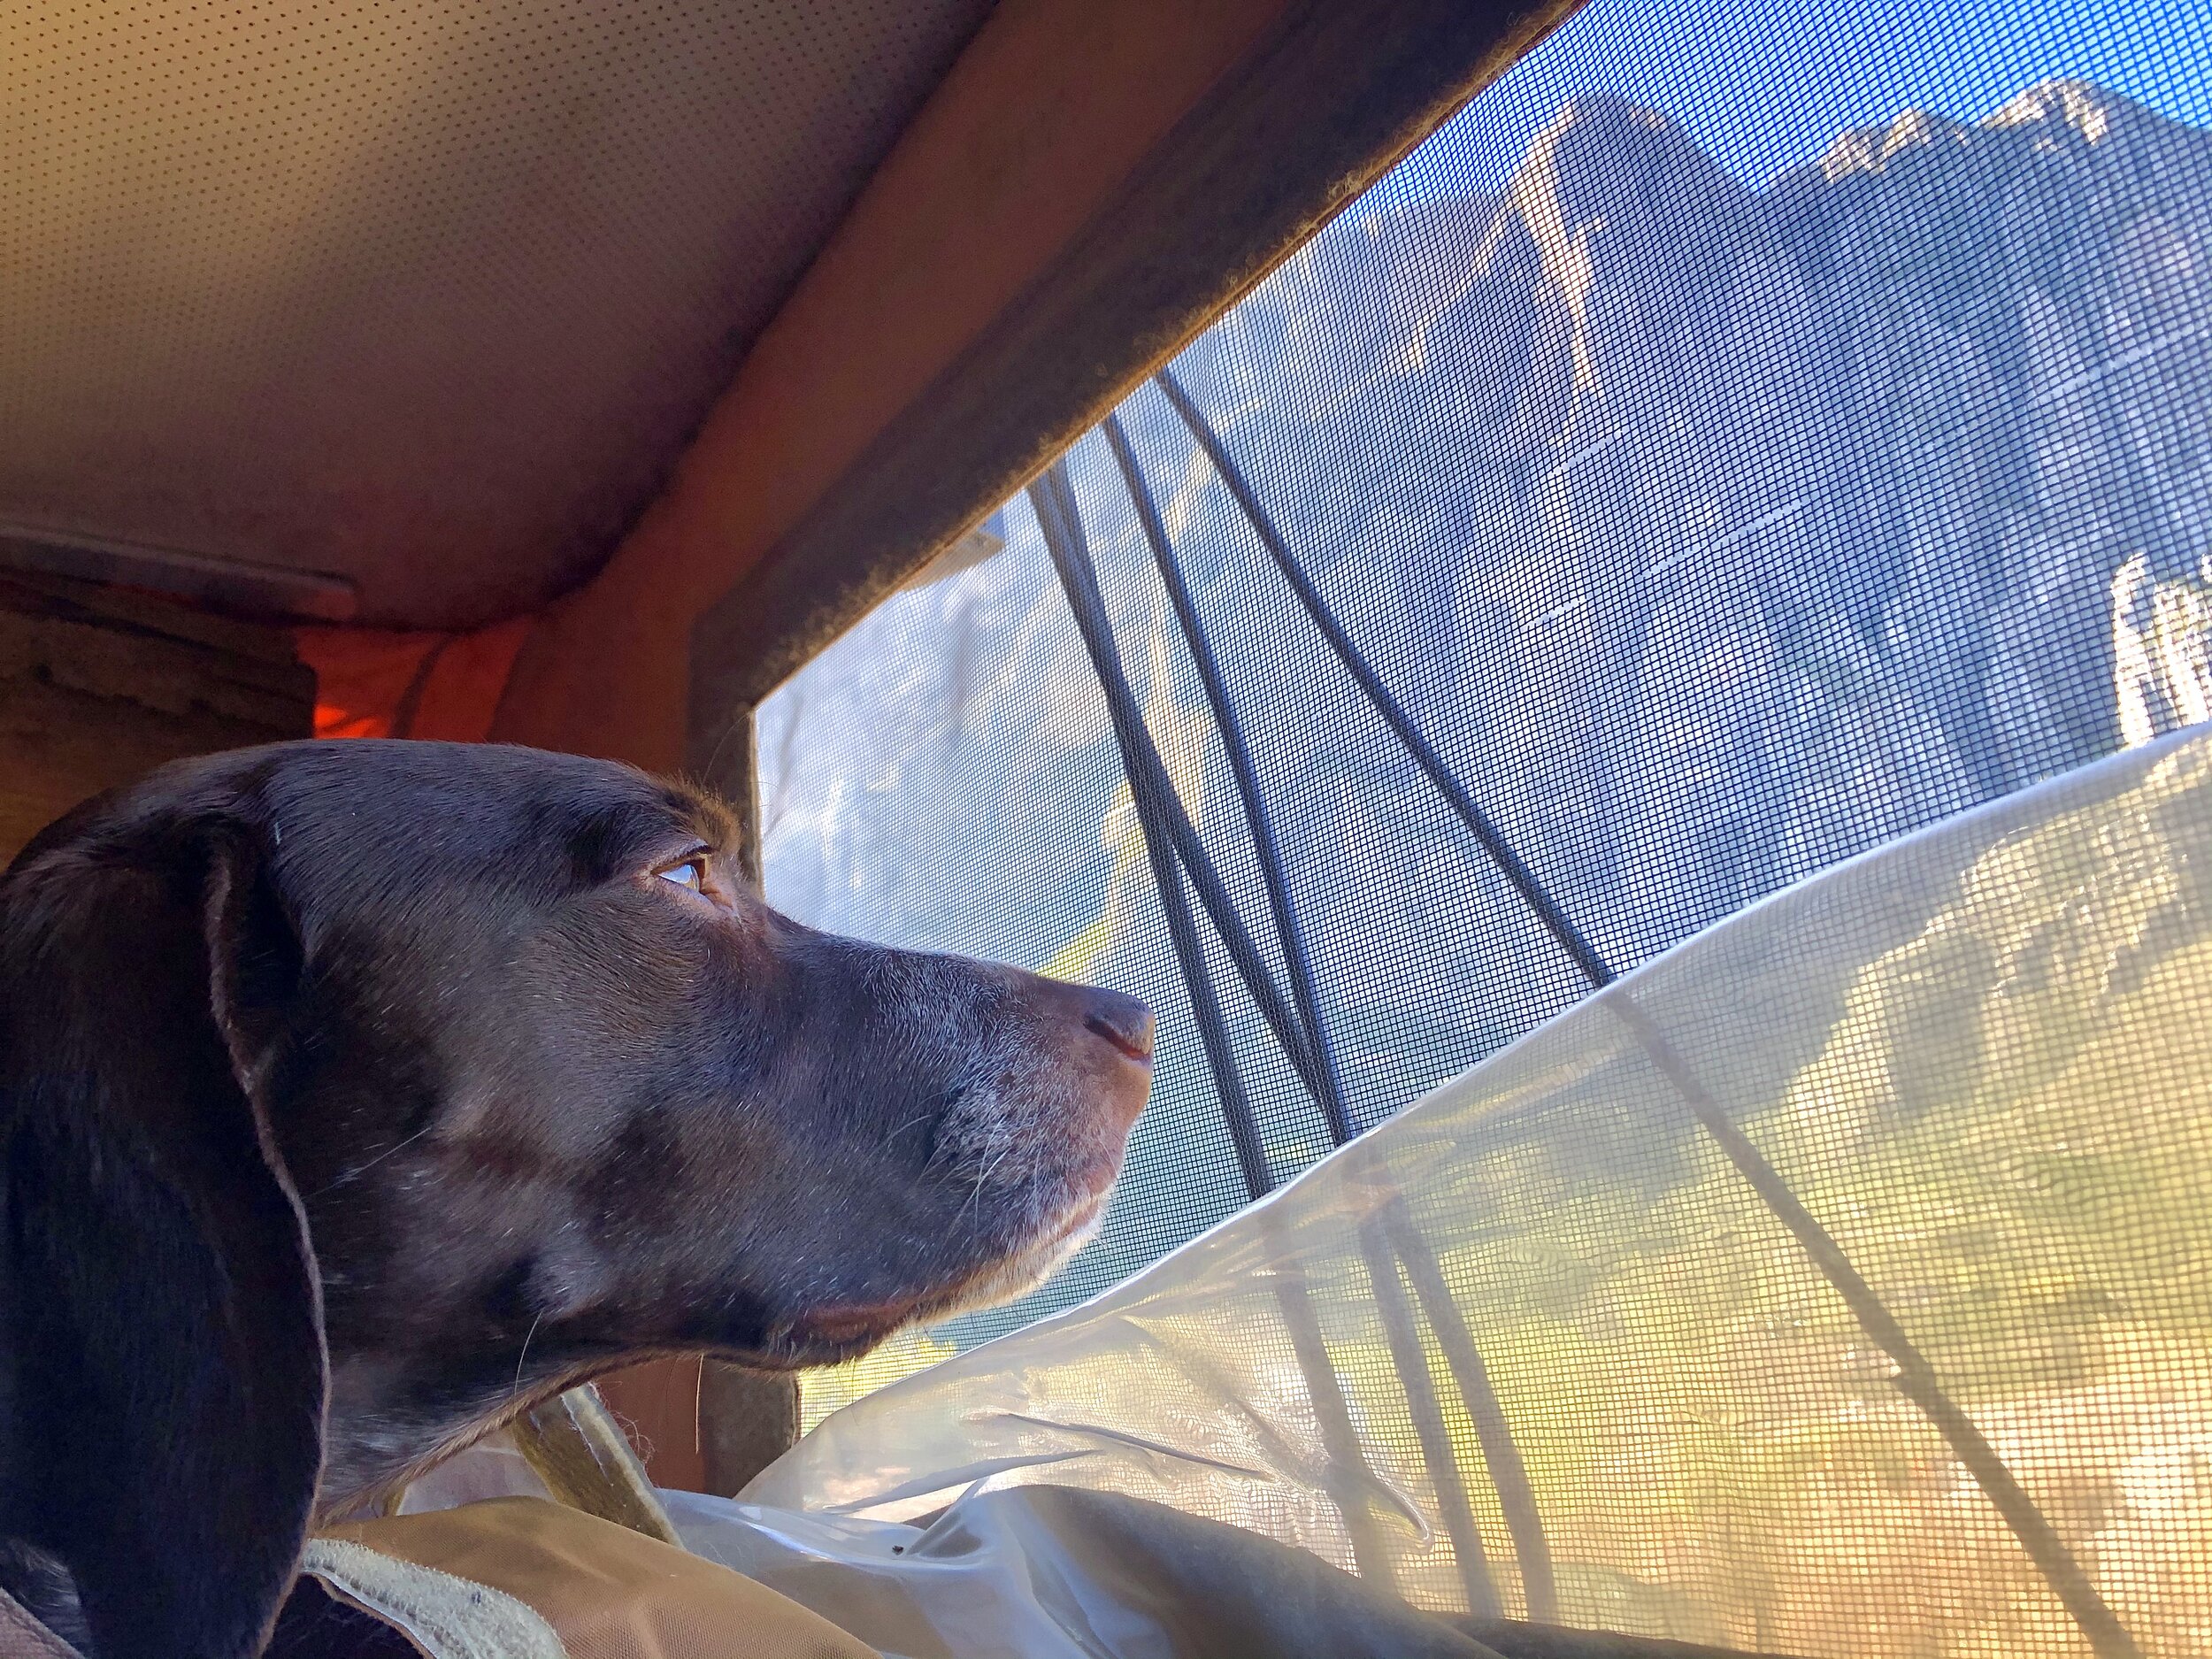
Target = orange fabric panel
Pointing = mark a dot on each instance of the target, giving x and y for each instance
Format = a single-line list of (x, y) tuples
[(373, 682)]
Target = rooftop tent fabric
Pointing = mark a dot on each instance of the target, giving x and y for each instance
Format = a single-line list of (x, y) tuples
[(425, 295), (1928, 1368), (377, 682)]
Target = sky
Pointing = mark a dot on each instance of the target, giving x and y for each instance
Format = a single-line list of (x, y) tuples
[(1767, 85)]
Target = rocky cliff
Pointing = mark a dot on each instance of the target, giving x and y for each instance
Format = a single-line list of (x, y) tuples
[(1750, 527), (1716, 533)]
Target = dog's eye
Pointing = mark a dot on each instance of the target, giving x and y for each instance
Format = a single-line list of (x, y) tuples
[(691, 874)]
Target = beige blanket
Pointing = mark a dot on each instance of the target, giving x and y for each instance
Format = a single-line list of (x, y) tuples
[(523, 1578)]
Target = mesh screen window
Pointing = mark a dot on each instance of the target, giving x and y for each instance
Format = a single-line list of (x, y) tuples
[(1741, 436)]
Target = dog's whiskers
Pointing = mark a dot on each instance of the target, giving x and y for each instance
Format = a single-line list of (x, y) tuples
[(1001, 1142), (360, 1170), (528, 1337)]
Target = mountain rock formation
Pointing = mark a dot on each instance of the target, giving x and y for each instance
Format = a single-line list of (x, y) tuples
[(1715, 532)]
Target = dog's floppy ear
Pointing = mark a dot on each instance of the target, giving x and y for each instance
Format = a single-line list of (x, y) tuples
[(167, 1348)]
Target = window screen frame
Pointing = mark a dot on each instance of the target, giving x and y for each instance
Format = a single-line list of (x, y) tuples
[(1326, 102)]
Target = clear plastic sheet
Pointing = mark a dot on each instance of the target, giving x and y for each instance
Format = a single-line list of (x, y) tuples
[(1548, 1344), (1048, 1572)]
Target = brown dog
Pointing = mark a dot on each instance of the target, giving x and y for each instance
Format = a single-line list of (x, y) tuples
[(353, 1096)]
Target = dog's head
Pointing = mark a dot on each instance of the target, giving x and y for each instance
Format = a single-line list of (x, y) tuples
[(426, 1080)]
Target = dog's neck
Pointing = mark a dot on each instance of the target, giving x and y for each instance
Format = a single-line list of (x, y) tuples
[(388, 1424)]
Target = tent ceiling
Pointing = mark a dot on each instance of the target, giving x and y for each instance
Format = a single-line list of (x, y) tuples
[(424, 294)]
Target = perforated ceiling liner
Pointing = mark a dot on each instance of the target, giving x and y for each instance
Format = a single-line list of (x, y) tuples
[(426, 294)]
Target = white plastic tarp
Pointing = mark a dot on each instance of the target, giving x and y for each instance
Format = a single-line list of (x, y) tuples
[(1585, 1365)]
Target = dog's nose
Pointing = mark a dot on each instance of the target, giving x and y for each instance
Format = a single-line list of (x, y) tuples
[(1123, 1021)]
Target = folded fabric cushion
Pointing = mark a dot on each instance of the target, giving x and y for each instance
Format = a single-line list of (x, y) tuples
[(321, 1621), (23, 1637), (505, 1576)]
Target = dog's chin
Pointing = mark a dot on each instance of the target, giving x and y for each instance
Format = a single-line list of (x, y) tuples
[(835, 1335), (1019, 1274)]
